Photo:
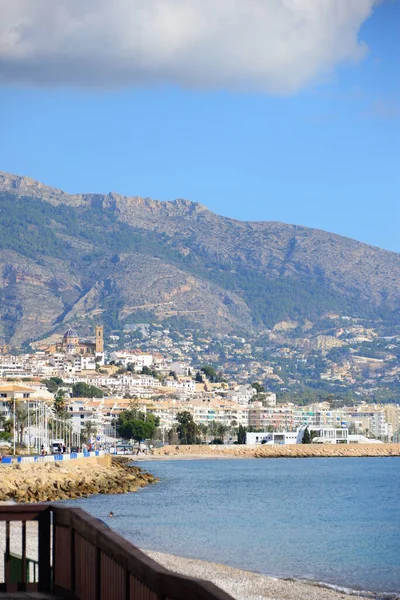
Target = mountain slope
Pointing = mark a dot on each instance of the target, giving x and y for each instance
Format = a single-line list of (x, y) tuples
[(82, 258)]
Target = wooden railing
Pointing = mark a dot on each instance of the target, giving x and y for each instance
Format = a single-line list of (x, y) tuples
[(79, 557)]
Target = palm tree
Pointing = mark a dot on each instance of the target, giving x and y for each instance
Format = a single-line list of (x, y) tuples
[(213, 429), (7, 424), (233, 427), (202, 428), (21, 420), (222, 431), (88, 431)]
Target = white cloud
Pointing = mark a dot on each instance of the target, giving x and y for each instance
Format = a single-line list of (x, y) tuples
[(275, 46)]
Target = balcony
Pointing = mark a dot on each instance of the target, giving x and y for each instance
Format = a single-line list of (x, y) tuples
[(65, 553)]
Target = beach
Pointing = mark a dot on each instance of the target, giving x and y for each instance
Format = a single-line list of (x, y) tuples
[(241, 585), (246, 585)]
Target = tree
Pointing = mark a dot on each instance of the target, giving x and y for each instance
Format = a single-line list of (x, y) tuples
[(83, 390), (211, 374), (88, 431), (21, 421), (306, 437), (172, 435), (151, 373), (214, 431), (199, 377), (186, 429), (222, 431), (233, 427), (51, 385), (258, 387), (132, 424), (203, 430), (8, 425), (59, 406), (60, 412), (241, 434)]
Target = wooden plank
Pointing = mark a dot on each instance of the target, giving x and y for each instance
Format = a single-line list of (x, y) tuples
[(44, 552), (7, 555), (23, 532)]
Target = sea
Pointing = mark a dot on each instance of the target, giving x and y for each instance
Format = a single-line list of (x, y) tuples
[(335, 521)]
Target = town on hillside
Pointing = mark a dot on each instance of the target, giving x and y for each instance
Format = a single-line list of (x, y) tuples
[(78, 391)]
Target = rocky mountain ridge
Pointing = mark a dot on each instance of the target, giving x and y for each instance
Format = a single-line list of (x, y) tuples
[(88, 258)]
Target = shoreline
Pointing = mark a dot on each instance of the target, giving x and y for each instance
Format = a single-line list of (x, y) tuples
[(239, 583), (197, 452), (249, 585)]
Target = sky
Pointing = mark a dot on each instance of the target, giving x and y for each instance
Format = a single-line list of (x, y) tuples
[(262, 110)]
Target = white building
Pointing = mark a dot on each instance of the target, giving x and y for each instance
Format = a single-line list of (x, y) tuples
[(243, 394), (132, 357), (323, 435), (275, 437)]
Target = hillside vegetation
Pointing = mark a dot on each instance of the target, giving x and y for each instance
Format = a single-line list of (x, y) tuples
[(107, 258)]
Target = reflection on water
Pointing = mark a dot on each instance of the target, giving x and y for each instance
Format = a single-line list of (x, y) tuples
[(332, 520)]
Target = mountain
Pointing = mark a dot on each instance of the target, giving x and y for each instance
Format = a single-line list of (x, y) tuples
[(79, 259)]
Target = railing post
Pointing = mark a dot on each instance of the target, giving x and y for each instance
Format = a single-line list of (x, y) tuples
[(97, 580), (7, 555), (44, 552), (72, 556)]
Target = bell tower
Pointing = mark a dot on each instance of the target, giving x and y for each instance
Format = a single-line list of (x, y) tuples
[(99, 339)]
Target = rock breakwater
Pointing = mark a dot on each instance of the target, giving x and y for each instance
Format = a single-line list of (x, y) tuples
[(49, 482), (276, 451)]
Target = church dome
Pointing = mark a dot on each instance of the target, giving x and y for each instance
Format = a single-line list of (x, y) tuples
[(70, 333)]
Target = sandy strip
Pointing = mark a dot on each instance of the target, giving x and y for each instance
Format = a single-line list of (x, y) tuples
[(245, 585)]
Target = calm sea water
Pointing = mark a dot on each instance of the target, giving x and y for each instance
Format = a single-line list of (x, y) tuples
[(329, 520)]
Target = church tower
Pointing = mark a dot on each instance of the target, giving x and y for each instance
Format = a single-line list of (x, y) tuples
[(99, 339)]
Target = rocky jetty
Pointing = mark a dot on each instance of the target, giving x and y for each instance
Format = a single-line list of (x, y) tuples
[(278, 451), (49, 482)]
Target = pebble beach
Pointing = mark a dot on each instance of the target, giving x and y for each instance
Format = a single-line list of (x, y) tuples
[(245, 585), (241, 585)]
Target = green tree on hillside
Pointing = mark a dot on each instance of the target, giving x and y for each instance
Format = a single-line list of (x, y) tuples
[(211, 374), (258, 387), (83, 390)]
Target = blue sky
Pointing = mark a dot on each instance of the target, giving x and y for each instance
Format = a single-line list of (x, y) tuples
[(317, 147)]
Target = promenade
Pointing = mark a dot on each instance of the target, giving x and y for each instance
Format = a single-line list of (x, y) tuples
[(52, 458)]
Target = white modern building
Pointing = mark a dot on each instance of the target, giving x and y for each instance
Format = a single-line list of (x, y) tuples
[(275, 437), (324, 435)]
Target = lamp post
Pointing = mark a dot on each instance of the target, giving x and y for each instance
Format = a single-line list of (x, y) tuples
[(14, 424), (29, 430)]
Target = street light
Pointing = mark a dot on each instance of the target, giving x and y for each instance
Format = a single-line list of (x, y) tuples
[(14, 424)]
